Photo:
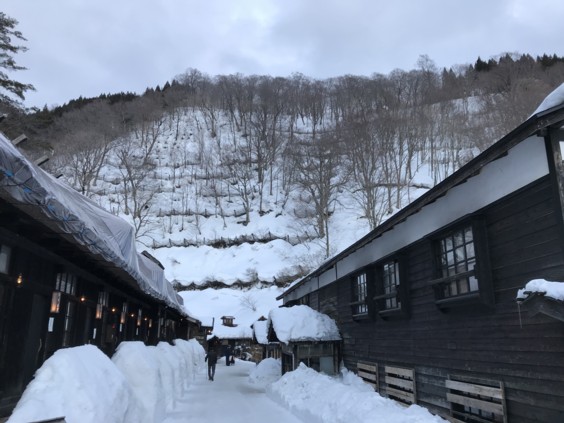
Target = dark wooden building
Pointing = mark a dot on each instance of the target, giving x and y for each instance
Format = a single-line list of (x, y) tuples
[(70, 275), (426, 302)]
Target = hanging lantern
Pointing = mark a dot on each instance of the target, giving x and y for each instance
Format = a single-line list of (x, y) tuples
[(19, 280)]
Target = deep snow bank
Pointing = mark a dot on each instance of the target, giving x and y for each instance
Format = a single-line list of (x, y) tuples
[(315, 397), (85, 386)]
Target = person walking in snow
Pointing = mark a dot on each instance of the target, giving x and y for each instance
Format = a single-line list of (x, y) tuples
[(227, 354), (211, 358)]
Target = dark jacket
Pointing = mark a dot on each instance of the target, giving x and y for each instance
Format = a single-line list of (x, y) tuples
[(211, 357)]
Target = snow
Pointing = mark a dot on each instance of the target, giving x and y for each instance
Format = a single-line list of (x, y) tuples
[(260, 330), (228, 332), (302, 323), (85, 386), (315, 397), (247, 306), (168, 384), (266, 372), (555, 98), (550, 289), (81, 384)]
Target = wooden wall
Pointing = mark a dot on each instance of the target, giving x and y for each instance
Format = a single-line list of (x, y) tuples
[(497, 343)]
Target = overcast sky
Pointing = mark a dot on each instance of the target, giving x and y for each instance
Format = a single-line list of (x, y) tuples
[(86, 48)]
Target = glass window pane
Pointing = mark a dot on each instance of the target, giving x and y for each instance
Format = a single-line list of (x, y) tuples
[(470, 250), (459, 254), (473, 283), (450, 258)]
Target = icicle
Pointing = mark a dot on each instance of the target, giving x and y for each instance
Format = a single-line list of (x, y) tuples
[(519, 308)]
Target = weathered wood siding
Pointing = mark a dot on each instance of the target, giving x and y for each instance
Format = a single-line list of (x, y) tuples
[(492, 343)]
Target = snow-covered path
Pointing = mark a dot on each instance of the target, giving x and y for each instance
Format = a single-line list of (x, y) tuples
[(230, 398)]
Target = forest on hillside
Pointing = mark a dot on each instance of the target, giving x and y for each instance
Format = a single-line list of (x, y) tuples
[(257, 136)]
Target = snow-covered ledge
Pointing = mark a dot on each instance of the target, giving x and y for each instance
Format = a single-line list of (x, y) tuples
[(542, 296), (553, 290)]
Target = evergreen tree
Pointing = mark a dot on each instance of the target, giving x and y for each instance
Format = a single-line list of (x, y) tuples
[(8, 35)]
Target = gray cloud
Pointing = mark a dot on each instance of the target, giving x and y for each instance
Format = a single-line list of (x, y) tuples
[(89, 48)]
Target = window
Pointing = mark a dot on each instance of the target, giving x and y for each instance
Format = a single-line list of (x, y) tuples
[(66, 283), (457, 260), (390, 288), (391, 281), (462, 266), (358, 303)]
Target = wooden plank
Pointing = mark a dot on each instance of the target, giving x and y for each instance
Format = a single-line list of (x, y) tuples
[(475, 389), (476, 403), (399, 371), (368, 367), (369, 376), (406, 396), (402, 383)]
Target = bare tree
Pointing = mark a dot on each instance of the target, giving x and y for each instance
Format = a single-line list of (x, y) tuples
[(320, 174)]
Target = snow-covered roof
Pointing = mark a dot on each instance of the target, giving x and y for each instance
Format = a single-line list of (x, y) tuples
[(98, 231), (554, 290), (232, 332), (555, 98), (260, 330), (302, 323)]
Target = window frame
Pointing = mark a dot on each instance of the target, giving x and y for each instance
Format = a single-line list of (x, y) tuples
[(400, 294), (481, 272), (356, 303)]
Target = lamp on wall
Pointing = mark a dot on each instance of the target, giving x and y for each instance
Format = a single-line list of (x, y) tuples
[(19, 280), (55, 301), (99, 311)]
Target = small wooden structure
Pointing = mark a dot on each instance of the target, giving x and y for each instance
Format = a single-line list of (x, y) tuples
[(317, 344), (261, 347)]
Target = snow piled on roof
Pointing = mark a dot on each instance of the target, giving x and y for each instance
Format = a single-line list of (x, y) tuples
[(302, 323), (228, 332), (555, 98), (553, 290), (260, 329)]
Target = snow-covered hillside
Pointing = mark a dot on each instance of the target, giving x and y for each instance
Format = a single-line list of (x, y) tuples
[(171, 182)]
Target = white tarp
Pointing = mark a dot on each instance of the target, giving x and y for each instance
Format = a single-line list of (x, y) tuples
[(90, 225)]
